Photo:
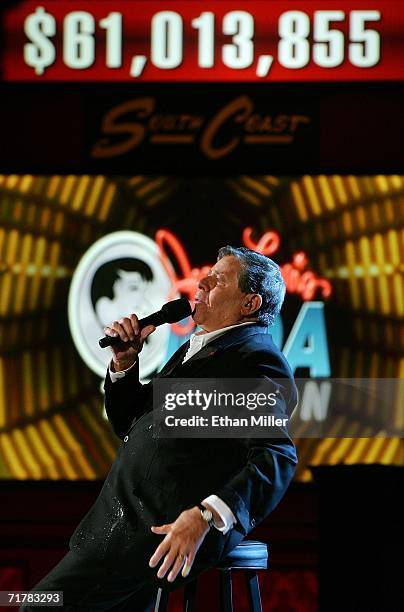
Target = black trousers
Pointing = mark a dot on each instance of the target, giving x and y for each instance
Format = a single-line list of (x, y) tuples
[(90, 584), (94, 587)]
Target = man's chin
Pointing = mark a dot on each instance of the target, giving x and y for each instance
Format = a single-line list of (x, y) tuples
[(199, 314)]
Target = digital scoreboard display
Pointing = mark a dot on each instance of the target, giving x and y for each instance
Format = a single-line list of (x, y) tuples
[(204, 41)]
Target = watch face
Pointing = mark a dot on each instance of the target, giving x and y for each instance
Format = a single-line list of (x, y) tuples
[(207, 515)]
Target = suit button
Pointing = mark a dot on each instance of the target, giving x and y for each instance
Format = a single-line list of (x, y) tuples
[(252, 522), (126, 438)]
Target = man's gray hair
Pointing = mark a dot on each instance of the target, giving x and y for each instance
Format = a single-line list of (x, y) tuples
[(261, 275)]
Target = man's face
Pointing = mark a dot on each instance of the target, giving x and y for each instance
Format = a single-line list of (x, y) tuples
[(218, 299), (129, 284)]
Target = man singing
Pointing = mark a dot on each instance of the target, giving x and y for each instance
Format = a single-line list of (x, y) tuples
[(171, 508)]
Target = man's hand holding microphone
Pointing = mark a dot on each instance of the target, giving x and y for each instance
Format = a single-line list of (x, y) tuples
[(132, 338), (126, 336)]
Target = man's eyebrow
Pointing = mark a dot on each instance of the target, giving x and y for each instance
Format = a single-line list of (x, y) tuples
[(215, 271)]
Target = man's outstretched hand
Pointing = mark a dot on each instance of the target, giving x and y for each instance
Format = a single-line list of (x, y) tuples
[(179, 547)]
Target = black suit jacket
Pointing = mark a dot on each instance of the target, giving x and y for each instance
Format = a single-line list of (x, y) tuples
[(153, 479)]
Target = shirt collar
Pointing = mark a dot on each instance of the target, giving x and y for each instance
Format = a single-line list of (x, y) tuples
[(203, 339)]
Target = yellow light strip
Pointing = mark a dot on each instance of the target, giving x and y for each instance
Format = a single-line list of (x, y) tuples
[(27, 455), (299, 201), (27, 387), (77, 452), (58, 450), (313, 200), (106, 202), (352, 184), (352, 278), (325, 189), (49, 281), (256, 185), (45, 459), (11, 458), (94, 196), (81, 190), (67, 189)]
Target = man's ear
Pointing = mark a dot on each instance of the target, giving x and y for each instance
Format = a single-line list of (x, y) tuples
[(251, 303)]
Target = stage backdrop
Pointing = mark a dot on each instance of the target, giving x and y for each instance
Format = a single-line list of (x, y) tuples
[(77, 252)]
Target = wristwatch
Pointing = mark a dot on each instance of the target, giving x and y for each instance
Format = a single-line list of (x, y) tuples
[(206, 515)]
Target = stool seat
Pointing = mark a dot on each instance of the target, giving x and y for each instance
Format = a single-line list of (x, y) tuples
[(249, 554)]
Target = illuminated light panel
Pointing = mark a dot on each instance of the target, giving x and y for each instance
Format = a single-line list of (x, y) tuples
[(351, 228)]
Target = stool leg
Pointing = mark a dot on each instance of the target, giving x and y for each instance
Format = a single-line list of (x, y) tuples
[(161, 601), (253, 590), (226, 596), (190, 596)]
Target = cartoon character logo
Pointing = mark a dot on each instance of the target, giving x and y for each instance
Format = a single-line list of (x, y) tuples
[(119, 274)]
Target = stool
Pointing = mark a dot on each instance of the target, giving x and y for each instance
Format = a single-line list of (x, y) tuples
[(249, 556)]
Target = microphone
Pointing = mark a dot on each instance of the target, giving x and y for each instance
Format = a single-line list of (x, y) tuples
[(173, 311)]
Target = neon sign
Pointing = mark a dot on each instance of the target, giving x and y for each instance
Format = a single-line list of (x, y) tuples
[(299, 279)]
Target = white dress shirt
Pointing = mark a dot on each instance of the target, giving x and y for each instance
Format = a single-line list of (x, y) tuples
[(196, 342)]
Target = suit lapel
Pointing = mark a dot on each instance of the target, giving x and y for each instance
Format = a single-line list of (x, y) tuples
[(197, 361), (174, 361)]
